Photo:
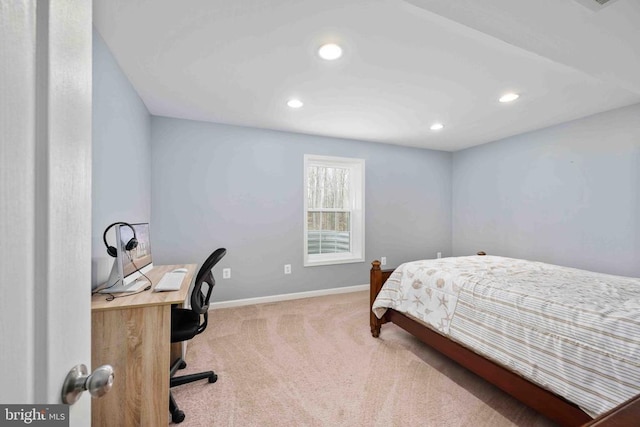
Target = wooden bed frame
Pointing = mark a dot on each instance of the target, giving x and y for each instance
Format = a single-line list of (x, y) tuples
[(549, 404)]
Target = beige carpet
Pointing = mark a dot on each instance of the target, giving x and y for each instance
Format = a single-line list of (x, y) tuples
[(313, 362)]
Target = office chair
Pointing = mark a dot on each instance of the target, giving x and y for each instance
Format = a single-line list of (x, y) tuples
[(186, 324)]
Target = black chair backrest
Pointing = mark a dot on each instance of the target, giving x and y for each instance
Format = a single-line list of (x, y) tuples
[(200, 299)]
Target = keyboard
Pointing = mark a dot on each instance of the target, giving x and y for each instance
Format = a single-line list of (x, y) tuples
[(170, 282)]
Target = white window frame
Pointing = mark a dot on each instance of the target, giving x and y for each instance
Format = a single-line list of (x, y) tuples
[(357, 167)]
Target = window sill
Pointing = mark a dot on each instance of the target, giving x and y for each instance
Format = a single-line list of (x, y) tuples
[(334, 261)]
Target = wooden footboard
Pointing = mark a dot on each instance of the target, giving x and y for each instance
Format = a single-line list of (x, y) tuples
[(552, 406)]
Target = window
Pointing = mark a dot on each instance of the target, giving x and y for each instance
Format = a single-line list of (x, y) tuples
[(334, 210)]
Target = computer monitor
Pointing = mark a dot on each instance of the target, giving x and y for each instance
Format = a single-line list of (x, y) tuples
[(129, 265)]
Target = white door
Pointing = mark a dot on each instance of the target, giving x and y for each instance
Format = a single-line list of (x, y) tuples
[(45, 190)]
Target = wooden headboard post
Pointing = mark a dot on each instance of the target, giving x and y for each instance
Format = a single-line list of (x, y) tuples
[(375, 285), (377, 279)]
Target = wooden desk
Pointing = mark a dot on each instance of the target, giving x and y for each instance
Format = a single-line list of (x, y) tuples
[(133, 334)]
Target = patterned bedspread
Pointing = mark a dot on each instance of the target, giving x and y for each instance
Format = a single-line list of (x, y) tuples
[(574, 332)]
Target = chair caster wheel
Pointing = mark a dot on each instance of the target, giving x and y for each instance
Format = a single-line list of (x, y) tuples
[(213, 378), (183, 365), (177, 416)]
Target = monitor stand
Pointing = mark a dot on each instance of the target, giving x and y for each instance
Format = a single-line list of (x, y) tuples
[(120, 285)]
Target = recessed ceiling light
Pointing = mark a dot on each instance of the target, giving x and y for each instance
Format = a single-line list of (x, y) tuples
[(508, 97), (436, 126), (295, 103), (330, 51)]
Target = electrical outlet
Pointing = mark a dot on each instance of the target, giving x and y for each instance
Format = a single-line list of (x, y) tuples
[(287, 269), (383, 260), (439, 254), (226, 273)]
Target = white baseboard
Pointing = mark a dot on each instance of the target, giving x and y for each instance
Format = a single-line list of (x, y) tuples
[(286, 297)]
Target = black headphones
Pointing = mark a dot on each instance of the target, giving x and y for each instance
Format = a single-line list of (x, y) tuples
[(131, 244)]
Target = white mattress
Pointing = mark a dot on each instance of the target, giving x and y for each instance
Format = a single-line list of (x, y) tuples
[(573, 332)]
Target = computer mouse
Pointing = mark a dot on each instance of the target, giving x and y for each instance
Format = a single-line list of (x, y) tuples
[(180, 270)]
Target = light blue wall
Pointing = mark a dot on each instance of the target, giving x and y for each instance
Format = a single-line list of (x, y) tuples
[(242, 188), (568, 194), (121, 174)]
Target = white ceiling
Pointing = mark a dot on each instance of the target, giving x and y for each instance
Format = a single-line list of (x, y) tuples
[(406, 64)]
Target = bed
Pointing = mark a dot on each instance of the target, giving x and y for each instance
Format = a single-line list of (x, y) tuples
[(564, 341)]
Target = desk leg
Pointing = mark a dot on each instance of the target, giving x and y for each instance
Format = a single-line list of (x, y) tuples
[(136, 342)]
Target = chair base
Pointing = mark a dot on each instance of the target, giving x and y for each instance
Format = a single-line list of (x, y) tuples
[(177, 416)]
